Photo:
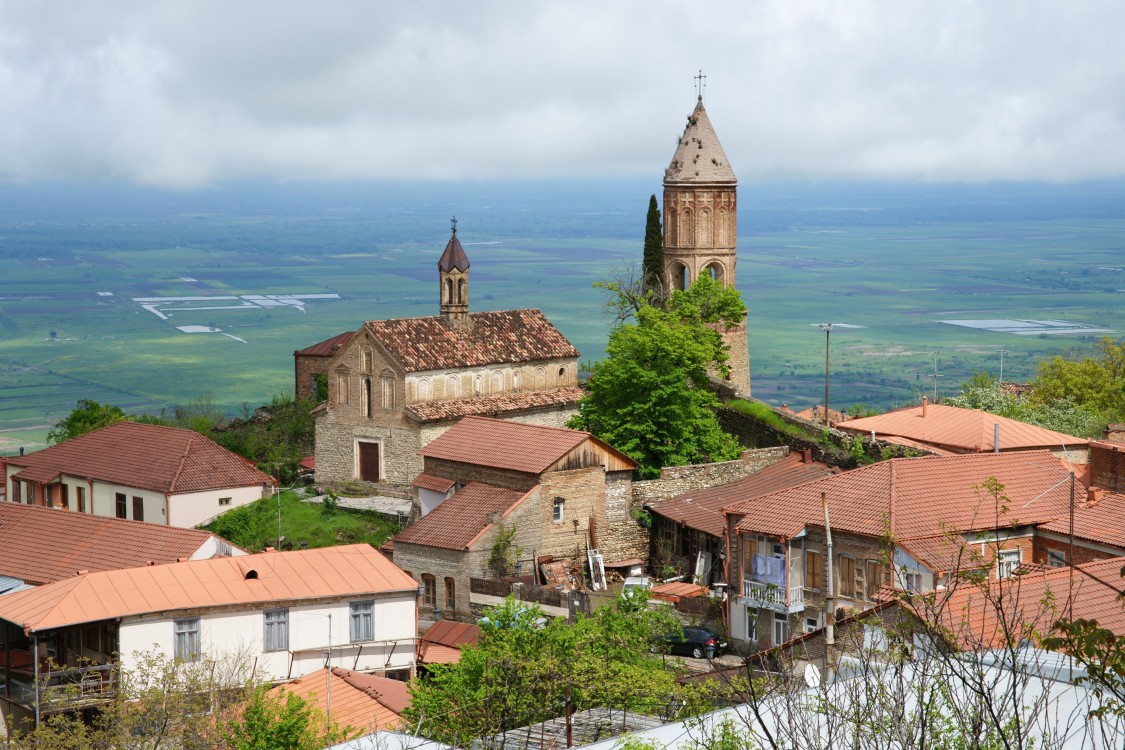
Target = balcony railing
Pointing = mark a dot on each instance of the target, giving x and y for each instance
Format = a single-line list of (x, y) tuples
[(67, 689), (774, 597)]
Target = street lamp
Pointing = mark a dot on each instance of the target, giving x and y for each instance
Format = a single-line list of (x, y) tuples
[(827, 328)]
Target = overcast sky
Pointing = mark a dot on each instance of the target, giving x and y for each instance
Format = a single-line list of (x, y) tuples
[(186, 94)]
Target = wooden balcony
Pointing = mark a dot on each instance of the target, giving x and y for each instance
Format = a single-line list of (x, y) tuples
[(67, 689)]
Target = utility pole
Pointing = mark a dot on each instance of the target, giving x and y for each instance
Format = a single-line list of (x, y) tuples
[(830, 608), (827, 328)]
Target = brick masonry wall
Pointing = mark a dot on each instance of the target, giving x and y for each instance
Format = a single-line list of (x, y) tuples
[(1081, 554), (1107, 466), (304, 368)]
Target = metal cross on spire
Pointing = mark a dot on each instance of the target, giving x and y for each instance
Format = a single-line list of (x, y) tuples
[(700, 84), (453, 223)]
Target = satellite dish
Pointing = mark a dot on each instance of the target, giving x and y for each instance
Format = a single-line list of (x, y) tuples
[(812, 676)]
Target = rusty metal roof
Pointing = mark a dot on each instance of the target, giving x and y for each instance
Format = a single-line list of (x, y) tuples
[(326, 348), (352, 570), (145, 456)]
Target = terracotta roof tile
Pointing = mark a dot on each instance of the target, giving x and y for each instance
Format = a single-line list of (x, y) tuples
[(494, 405), (40, 545), (703, 509), (436, 343), (442, 643), (516, 446), (430, 482), (1101, 522), (458, 521), (326, 348), (918, 497), (146, 456), (281, 576), (365, 702), (435, 653), (960, 429)]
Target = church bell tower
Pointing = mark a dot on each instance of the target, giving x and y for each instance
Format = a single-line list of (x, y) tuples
[(700, 224), (453, 277)]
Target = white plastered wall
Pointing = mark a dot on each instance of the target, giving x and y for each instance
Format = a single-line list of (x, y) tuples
[(193, 508)]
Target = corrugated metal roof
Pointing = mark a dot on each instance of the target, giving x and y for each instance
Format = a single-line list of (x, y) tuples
[(459, 520), (350, 570), (41, 545), (504, 336), (961, 429), (145, 456)]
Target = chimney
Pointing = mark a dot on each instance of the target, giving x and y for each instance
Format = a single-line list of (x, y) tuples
[(1093, 496), (806, 456), (21, 450), (924, 402)]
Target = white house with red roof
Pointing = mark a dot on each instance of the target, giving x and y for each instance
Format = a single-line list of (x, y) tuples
[(395, 385), (282, 612), (143, 472)]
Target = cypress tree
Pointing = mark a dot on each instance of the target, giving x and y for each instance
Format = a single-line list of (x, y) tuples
[(653, 264)]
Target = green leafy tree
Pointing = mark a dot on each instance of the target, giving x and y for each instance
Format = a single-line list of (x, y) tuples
[(653, 265), (270, 721), (650, 397), (1060, 414), (524, 664), (1097, 383), (86, 416)]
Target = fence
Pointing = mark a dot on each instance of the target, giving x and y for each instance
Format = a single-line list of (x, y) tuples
[(546, 597)]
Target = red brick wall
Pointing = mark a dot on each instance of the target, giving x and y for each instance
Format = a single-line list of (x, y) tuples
[(303, 370), (1107, 466), (1081, 556)]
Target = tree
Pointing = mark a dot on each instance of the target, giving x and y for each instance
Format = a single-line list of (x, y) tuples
[(650, 397), (525, 664), (1097, 383), (269, 721), (653, 265), (86, 416), (1059, 414)]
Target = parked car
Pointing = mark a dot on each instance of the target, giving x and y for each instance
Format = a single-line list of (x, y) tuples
[(695, 642)]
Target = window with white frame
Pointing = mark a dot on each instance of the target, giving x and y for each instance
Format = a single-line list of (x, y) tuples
[(811, 624), (186, 644), (1056, 558), (362, 621), (1007, 560), (751, 624), (558, 509), (912, 580), (276, 630), (780, 628)]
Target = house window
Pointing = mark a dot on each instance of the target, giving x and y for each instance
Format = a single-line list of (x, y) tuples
[(1056, 558), (362, 621), (562, 374), (50, 489), (751, 624), (847, 576), (64, 496), (224, 501), (912, 579), (185, 638), (138, 508), (429, 591), (874, 577), (450, 594), (16, 491), (80, 496), (780, 628), (558, 510), (1006, 562), (812, 624), (276, 635), (812, 569), (122, 506)]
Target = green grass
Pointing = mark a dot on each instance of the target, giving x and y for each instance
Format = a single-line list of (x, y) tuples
[(254, 526), (764, 414)]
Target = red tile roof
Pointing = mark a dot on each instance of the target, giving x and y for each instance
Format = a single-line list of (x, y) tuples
[(972, 613), (364, 702), (967, 430), (1103, 521), (430, 482), (919, 497), (515, 446), (145, 456), (442, 643), (437, 343), (494, 405), (350, 570), (703, 509), (40, 545), (462, 518), (326, 348)]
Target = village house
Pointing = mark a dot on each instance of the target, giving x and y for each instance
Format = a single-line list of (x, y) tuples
[(145, 472), (396, 385), (948, 430), (561, 493), (689, 530), (42, 545), (911, 524), (283, 610)]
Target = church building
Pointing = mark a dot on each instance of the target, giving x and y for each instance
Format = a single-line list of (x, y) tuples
[(701, 225), (396, 385)]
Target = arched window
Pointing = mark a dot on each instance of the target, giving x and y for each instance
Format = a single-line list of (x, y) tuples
[(684, 228), (562, 374), (452, 387), (722, 235), (477, 385), (367, 406), (715, 271), (516, 382), (448, 291), (703, 237), (450, 594), (422, 390), (679, 276), (540, 378), (462, 292), (341, 386), (497, 381), (429, 591), (387, 389)]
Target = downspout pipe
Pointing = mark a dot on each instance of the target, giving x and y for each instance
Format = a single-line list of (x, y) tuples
[(830, 609)]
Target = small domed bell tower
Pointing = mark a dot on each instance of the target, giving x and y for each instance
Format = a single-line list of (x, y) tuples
[(453, 275)]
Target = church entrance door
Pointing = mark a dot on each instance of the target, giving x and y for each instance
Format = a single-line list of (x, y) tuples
[(369, 462)]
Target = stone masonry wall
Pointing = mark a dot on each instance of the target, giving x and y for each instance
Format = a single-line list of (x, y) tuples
[(676, 480), (1107, 466)]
